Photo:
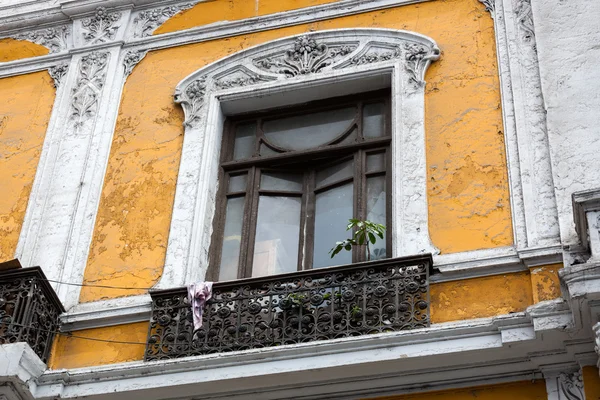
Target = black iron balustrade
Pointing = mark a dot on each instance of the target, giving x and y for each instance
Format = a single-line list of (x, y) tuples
[(320, 304), (29, 309)]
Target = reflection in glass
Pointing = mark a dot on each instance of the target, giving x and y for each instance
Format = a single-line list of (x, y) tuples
[(334, 208), (230, 252), (277, 235), (375, 162), (243, 147), (281, 181), (237, 183), (335, 173), (376, 212), (373, 120), (308, 131)]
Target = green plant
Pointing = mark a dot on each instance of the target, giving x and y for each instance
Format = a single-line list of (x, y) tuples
[(365, 234)]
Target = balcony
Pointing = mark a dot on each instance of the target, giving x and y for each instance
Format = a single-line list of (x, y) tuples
[(321, 304), (29, 309)]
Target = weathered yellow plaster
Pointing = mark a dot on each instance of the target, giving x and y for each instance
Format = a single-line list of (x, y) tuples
[(24, 114), (525, 390), (73, 352), (211, 11), (480, 297), (591, 383), (545, 282), (468, 194), (11, 49)]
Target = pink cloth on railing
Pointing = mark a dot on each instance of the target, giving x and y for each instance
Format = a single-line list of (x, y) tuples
[(198, 294)]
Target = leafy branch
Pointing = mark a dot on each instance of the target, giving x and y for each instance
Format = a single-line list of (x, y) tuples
[(366, 234)]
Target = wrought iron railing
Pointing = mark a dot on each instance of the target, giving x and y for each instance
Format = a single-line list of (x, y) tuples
[(321, 304), (29, 309)]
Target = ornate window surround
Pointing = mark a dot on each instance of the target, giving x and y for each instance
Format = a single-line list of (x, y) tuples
[(290, 71)]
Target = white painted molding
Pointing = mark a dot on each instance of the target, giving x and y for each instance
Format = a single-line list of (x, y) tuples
[(273, 71), (19, 367), (586, 214), (564, 383), (533, 202)]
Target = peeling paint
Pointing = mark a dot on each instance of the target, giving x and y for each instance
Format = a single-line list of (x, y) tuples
[(545, 282), (24, 114)]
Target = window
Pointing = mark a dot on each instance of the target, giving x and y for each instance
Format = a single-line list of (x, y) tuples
[(291, 179)]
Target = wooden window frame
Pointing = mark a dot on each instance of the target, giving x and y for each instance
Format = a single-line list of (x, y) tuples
[(331, 154)]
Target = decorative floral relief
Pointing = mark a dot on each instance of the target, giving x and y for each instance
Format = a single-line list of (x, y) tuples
[(571, 386), (147, 21), (58, 72), (370, 58), (240, 81), (92, 74), (132, 58), (417, 56), (306, 57), (53, 38), (101, 27), (192, 100), (525, 19)]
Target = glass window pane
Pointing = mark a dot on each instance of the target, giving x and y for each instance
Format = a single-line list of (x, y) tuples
[(375, 162), (373, 120), (266, 151), (335, 173), (243, 146), (281, 181), (277, 235), (333, 210), (308, 131), (237, 183), (351, 138), (232, 234), (376, 212)]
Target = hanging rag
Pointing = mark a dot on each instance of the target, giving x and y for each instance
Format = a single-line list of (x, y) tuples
[(198, 294)]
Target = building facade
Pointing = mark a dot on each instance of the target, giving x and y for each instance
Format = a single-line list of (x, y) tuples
[(147, 145)]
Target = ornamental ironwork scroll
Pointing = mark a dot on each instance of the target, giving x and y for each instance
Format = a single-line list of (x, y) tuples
[(322, 304), (29, 310)]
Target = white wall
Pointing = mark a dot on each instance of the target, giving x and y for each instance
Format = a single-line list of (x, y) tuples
[(568, 43)]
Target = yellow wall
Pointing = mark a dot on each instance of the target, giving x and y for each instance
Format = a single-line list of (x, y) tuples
[(25, 109), (230, 10), (591, 383), (73, 352), (468, 193), (11, 49), (545, 282), (525, 390), (480, 297)]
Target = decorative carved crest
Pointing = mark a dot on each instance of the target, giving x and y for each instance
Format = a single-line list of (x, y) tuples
[(192, 100), (374, 57), (92, 74), (147, 21), (132, 58), (306, 57), (525, 19), (53, 38), (310, 54), (571, 386), (58, 72), (417, 57), (101, 27)]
